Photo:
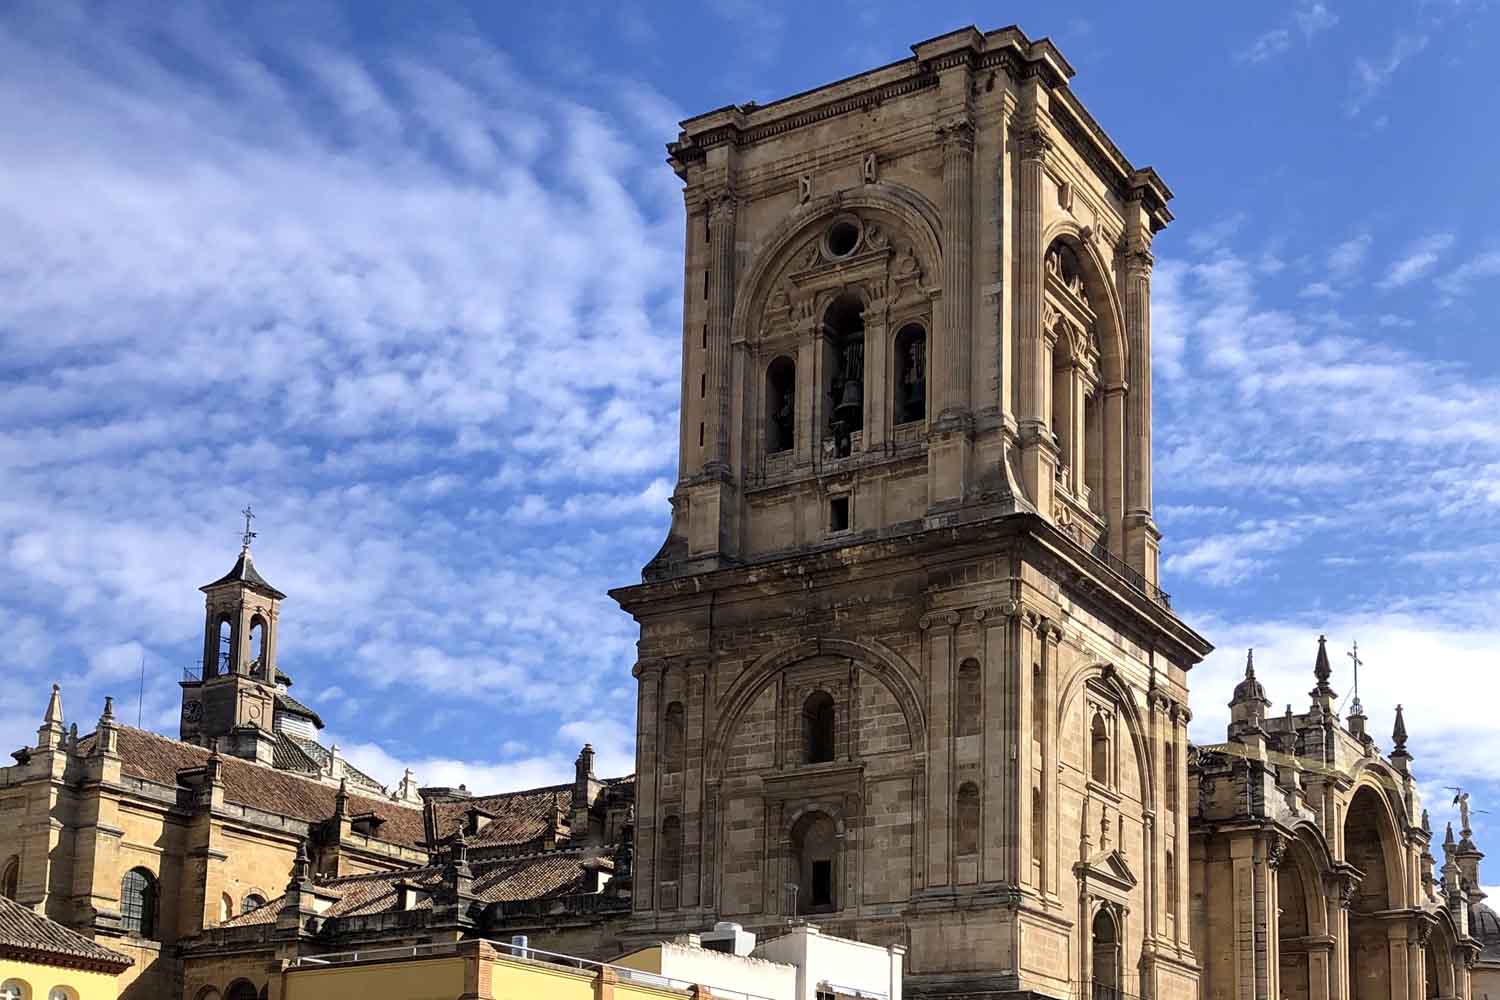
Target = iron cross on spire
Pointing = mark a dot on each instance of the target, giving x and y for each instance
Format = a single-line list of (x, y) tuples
[(1356, 708), (249, 516)]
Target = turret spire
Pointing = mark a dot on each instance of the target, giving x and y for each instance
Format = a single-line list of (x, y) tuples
[(1323, 671)]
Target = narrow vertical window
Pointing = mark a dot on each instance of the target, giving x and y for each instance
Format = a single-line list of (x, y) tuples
[(673, 731), (138, 903), (671, 849), (818, 728), (703, 385), (911, 374), (1099, 751), (968, 699), (966, 820), (781, 405), (1038, 826)]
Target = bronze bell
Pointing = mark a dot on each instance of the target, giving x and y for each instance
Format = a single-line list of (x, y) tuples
[(851, 406)]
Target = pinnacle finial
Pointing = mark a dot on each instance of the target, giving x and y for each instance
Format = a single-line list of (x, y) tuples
[(1398, 732), (109, 709), (1448, 841), (54, 713), (1250, 663), (1322, 670)]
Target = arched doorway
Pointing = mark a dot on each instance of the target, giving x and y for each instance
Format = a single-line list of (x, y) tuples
[(814, 850), (1369, 846), (1299, 925), (1106, 953)]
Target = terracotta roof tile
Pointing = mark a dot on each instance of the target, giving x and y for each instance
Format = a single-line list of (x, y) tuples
[(509, 880), (516, 818), (22, 929), (156, 758)]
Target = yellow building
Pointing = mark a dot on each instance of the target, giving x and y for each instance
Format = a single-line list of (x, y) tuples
[(43, 960)]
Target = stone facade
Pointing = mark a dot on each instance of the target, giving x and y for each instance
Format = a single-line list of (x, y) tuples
[(1312, 868), (904, 667)]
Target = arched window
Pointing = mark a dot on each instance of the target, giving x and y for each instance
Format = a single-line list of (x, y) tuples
[(1093, 451), (242, 990), (1064, 416), (911, 374), (818, 728), (844, 361), (1099, 750), (1038, 703), (1169, 764), (969, 699), (138, 903), (673, 729), (781, 405), (966, 820), (62, 993), (226, 907), (226, 645), (207, 993), (14, 989), (252, 901), (1106, 934), (814, 846), (671, 849), (10, 878), (1171, 867), (258, 664), (1038, 827)]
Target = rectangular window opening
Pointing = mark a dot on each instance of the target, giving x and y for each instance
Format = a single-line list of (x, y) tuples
[(700, 435), (705, 284), (705, 336), (703, 385), (838, 514), (822, 883)]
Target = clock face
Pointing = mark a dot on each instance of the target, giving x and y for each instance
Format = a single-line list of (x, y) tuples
[(192, 711)]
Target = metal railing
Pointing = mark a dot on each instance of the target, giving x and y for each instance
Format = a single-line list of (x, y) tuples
[(528, 953), (1100, 551)]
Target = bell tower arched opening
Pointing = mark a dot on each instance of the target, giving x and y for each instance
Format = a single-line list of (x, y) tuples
[(818, 728), (1106, 951), (781, 405), (814, 848), (844, 364)]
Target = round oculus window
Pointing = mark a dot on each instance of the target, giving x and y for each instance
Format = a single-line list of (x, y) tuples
[(843, 237)]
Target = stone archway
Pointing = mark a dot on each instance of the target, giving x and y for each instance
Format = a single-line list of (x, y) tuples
[(1369, 845), (1298, 903)]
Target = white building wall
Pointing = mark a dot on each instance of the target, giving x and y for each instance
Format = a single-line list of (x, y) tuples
[(853, 965)]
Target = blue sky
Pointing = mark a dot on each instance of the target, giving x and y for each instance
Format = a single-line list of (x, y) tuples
[(407, 281)]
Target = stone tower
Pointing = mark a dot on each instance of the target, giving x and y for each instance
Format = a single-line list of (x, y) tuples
[(232, 701), (904, 666)]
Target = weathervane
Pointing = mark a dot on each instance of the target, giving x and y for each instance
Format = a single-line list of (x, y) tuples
[(249, 516), (1356, 708)]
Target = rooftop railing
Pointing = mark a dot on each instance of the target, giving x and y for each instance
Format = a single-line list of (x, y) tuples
[(521, 951), (1100, 551)]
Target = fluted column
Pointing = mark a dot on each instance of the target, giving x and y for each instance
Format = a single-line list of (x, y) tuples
[(1142, 540), (722, 213), (958, 273), (1038, 455)]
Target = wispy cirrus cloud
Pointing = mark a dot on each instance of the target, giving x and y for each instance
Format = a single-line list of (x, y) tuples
[(1417, 261), (416, 307), (1371, 76), (1306, 21)]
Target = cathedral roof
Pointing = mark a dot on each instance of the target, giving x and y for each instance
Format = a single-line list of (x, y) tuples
[(286, 703), (1484, 924), (28, 936), (541, 876), (152, 757), (244, 572)]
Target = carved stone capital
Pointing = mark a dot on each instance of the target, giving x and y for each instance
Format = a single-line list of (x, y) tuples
[(1007, 609), (644, 669), (948, 618), (1033, 141), (722, 206), (956, 136)]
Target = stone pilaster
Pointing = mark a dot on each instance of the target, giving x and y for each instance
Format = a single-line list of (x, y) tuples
[(723, 211), (1142, 539), (952, 436), (939, 633), (1038, 452), (648, 674)]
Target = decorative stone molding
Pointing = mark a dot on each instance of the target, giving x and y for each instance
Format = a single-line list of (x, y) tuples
[(1033, 141), (948, 618)]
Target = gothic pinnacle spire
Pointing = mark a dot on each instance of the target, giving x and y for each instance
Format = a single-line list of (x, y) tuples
[(54, 713), (1398, 732), (1323, 671)]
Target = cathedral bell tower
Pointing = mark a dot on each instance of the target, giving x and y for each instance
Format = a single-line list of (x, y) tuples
[(232, 701), (905, 662)]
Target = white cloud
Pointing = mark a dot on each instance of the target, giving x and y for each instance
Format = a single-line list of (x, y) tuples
[(1318, 290), (1308, 19), (1371, 77), (1418, 260), (351, 288), (1345, 260), (1478, 268)]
